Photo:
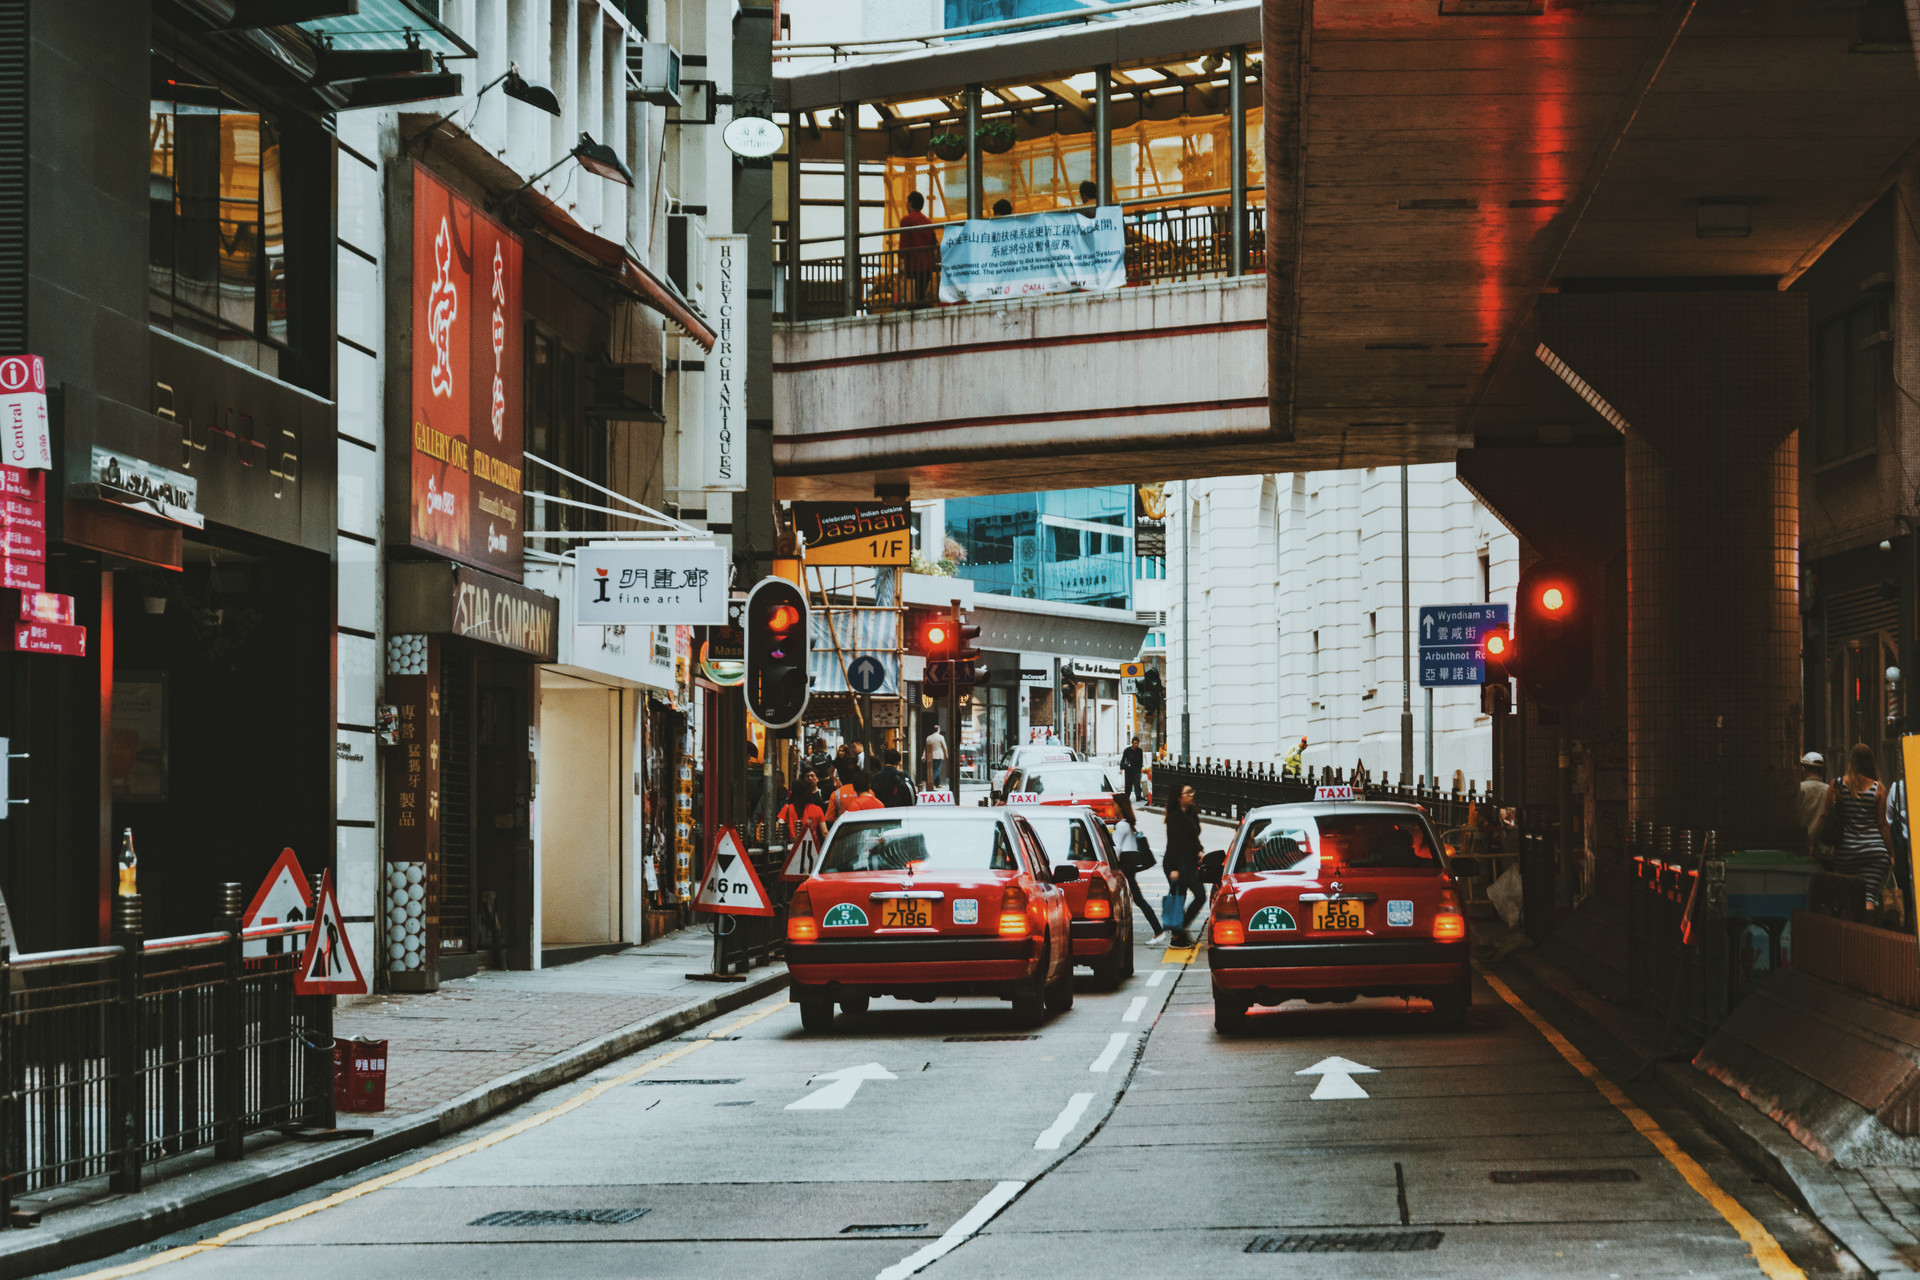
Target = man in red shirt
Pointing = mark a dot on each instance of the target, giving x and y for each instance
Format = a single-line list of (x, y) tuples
[(919, 248)]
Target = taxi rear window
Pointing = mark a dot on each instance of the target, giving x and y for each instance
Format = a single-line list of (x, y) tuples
[(1067, 782), (1064, 835), (894, 844), (1384, 840)]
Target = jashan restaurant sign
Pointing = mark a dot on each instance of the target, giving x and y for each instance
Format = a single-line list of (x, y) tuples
[(467, 461)]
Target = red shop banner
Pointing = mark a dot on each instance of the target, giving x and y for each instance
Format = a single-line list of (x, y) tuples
[(467, 357)]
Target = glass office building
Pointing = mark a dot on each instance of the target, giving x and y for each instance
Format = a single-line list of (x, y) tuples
[(1071, 546)]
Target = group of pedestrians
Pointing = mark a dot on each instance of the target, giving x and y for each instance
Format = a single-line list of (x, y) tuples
[(1858, 827)]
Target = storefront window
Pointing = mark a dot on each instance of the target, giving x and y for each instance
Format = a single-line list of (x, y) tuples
[(217, 261)]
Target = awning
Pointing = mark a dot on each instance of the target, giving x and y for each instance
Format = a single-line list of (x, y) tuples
[(612, 256)]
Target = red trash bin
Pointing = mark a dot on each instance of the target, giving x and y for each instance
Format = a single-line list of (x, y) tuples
[(360, 1075)]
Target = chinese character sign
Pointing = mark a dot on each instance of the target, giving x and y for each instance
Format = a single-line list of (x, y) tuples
[(466, 421), (651, 586), (23, 413), (1033, 254)]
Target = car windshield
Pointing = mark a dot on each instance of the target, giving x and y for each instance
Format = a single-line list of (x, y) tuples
[(1067, 782), (1063, 834), (894, 844), (1383, 840)]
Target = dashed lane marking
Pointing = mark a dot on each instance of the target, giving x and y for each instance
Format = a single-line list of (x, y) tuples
[(1154, 978), (957, 1234), (1134, 1007), (1069, 1116), (1115, 1043), (234, 1234), (1767, 1252)]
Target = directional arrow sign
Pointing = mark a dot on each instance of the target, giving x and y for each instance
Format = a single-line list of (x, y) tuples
[(866, 674), (845, 1083), (1336, 1079)]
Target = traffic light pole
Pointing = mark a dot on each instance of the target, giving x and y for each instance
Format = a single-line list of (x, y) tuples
[(953, 704)]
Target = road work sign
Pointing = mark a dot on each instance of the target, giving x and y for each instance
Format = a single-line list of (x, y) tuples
[(328, 966), (732, 886)]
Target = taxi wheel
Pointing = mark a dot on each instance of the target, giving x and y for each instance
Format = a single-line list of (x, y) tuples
[(1229, 1015), (1059, 996), (1126, 956), (854, 1006), (1029, 1007), (1450, 1004), (816, 1013), (1109, 969)]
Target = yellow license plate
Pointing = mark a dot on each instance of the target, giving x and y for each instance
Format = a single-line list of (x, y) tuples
[(1339, 916), (906, 913)]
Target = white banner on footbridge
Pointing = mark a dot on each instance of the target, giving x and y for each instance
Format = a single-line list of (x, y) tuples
[(1017, 257)]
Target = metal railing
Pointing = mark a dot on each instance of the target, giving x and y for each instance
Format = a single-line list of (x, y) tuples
[(1677, 958), (114, 1057), (1163, 246)]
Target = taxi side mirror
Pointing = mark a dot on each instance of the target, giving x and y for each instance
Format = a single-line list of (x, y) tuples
[(1211, 866), (1066, 873)]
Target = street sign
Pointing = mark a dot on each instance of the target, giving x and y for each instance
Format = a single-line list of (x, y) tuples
[(1450, 637), (801, 859), (732, 886), (939, 674), (1132, 670), (889, 713), (283, 898), (328, 966), (866, 674)]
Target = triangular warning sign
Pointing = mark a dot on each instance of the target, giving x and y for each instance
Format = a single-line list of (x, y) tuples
[(283, 899), (732, 886), (801, 859), (327, 966)]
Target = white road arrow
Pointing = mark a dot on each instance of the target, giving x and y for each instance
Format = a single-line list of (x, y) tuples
[(846, 1083), (1336, 1079)]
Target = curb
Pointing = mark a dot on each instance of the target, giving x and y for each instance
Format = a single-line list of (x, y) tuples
[(218, 1189), (1751, 1136)]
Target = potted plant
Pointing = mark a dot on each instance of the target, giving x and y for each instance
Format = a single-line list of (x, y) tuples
[(996, 136), (948, 146)]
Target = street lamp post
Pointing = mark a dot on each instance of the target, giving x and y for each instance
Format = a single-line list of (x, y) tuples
[(1406, 641)]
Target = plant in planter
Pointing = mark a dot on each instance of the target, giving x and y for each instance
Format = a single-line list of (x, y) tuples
[(948, 146), (996, 136)]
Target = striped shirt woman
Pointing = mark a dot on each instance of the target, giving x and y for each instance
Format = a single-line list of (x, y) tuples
[(1863, 844)]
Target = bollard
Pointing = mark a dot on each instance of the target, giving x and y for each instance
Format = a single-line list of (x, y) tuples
[(230, 902), (123, 1092)]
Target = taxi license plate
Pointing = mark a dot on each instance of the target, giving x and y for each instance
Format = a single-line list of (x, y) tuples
[(906, 913), (1339, 916)]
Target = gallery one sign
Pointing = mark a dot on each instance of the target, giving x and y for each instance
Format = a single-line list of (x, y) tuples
[(467, 353)]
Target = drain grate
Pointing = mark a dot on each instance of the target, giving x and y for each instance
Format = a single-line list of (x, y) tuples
[(1347, 1242), (741, 1102), (986, 1039), (690, 1038), (710, 1080), (883, 1228), (1508, 1176), (559, 1217)]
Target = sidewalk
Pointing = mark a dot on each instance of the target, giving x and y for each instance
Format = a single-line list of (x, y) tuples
[(470, 1050), (1873, 1212)]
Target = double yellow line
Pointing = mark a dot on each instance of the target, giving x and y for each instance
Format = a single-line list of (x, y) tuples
[(371, 1185)]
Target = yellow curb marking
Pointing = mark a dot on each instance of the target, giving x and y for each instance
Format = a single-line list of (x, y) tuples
[(371, 1185), (1767, 1252), (1180, 955)]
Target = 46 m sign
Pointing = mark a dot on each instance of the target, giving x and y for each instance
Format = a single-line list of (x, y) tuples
[(731, 885)]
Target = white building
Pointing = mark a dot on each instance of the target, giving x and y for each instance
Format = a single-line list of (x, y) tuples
[(1293, 610)]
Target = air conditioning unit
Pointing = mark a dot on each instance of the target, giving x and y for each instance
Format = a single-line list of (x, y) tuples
[(657, 70)]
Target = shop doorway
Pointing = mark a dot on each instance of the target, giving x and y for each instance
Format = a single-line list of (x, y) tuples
[(486, 840)]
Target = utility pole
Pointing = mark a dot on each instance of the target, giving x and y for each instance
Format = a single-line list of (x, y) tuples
[(953, 701), (1406, 641), (1186, 630)]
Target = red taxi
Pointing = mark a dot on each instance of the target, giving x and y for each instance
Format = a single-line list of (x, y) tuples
[(1063, 782), (931, 901), (1027, 755), (1330, 901), (1100, 901)]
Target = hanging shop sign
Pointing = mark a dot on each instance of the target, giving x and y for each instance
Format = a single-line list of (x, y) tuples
[(1018, 257), (24, 440), (1150, 519), (724, 454), (145, 486), (65, 639), (683, 584), (436, 598), (753, 137), (466, 424), (855, 533)]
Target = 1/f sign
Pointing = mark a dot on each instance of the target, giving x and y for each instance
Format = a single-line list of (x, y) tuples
[(886, 549)]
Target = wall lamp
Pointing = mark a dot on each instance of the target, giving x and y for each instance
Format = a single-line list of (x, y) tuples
[(515, 86), (594, 157)]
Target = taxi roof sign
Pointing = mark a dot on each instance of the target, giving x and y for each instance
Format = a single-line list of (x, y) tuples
[(936, 795), (1342, 792), (1023, 797)]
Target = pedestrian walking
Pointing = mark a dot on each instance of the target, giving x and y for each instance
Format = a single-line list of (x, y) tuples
[(863, 797), (1813, 801), (1135, 856), (1854, 822), (802, 812), (845, 770), (1132, 761), (934, 752), (919, 249), (891, 784), (1183, 867)]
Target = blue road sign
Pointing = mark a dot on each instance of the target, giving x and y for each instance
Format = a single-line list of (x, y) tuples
[(866, 674), (1450, 637)]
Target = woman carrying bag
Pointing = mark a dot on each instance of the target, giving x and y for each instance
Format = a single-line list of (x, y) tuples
[(1854, 823), (1183, 866), (1135, 856)]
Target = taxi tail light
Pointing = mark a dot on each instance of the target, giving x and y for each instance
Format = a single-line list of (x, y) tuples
[(801, 926), (1013, 912), (1099, 901), (1107, 809), (1228, 929), (1448, 924)]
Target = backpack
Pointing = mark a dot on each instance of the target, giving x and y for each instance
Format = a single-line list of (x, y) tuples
[(893, 789)]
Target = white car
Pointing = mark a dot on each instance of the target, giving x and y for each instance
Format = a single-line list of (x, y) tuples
[(1025, 757)]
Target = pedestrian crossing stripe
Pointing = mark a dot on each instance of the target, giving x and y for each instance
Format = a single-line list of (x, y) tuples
[(731, 885), (843, 916), (328, 966), (1271, 918)]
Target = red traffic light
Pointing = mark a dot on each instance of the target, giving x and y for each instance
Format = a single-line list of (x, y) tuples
[(1553, 599), (782, 619), (1496, 645)]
